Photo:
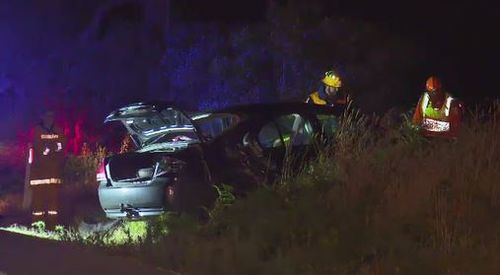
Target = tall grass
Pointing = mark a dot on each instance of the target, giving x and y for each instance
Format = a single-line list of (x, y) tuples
[(373, 202), (376, 203)]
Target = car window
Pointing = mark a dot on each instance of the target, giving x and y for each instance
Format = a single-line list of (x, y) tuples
[(295, 129), (168, 118), (173, 117), (213, 125), (329, 125), (269, 136)]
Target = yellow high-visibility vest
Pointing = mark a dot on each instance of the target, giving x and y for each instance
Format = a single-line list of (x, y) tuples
[(436, 119)]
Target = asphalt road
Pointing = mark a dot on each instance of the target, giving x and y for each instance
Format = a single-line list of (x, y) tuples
[(23, 255)]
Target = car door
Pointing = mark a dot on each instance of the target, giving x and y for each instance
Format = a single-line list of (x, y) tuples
[(286, 142)]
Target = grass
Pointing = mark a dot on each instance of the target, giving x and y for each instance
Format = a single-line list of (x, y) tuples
[(374, 203), (122, 234), (36, 230)]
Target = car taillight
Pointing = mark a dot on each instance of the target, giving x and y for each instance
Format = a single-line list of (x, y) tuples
[(101, 173), (169, 194)]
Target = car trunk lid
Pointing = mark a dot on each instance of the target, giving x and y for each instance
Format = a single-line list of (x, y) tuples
[(150, 123)]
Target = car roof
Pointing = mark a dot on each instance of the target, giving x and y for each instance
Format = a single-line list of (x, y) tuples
[(255, 109), (278, 108)]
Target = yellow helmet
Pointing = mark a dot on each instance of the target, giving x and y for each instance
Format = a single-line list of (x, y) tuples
[(332, 80)]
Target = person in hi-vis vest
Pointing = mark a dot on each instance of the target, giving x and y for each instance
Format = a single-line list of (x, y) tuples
[(437, 113), (46, 164), (330, 92)]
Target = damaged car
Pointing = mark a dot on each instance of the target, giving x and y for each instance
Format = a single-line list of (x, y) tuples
[(179, 156)]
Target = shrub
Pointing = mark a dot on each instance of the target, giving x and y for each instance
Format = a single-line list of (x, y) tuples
[(78, 197), (81, 169)]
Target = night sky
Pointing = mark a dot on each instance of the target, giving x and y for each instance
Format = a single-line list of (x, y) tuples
[(459, 36)]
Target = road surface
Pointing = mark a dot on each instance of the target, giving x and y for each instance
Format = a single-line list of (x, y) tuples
[(23, 255)]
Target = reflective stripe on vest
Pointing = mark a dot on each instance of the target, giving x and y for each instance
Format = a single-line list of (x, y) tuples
[(46, 181), (426, 101), (49, 136), (30, 156), (436, 120), (433, 125)]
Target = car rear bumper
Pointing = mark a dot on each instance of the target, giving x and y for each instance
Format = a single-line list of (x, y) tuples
[(142, 212), (140, 199)]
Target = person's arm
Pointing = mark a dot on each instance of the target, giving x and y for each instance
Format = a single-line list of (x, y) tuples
[(342, 101), (37, 143), (342, 98), (456, 113)]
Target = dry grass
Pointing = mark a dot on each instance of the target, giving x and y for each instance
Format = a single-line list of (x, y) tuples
[(437, 198), (390, 203), (374, 202)]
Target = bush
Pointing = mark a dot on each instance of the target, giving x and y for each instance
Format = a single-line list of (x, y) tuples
[(81, 169), (79, 200)]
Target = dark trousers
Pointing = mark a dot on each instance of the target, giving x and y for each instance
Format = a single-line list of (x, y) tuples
[(45, 204)]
